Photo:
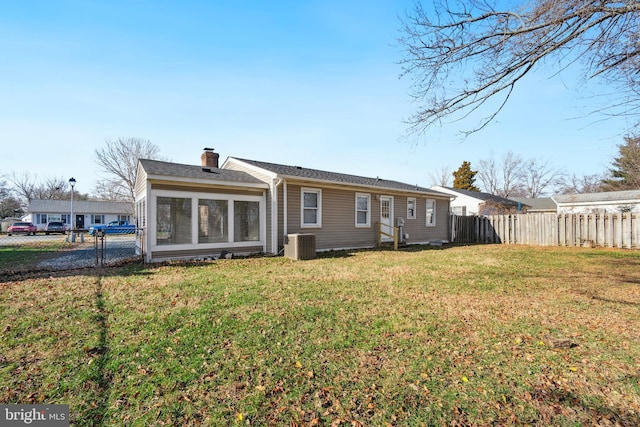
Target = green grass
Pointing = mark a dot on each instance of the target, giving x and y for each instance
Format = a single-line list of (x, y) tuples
[(22, 256), (479, 335)]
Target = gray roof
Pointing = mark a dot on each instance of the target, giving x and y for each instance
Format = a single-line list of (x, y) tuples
[(335, 177), (538, 203), (168, 169), (483, 196), (79, 206), (609, 196)]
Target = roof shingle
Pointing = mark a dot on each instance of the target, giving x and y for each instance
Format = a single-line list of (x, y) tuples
[(160, 168), (319, 175)]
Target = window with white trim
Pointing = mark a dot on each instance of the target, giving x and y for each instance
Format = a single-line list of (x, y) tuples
[(459, 210), (431, 213), (97, 219), (363, 210), (311, 207), (411, 208)]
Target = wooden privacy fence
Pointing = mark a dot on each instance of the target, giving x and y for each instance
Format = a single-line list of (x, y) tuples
[(620, 230)]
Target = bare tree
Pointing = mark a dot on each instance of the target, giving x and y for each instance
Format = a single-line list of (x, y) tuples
[(25, 186), (488, 175), (9, 205), (513, 175), (53, 188), (29, 187), (110, 189), (119, 158), (462, 54), (441, 176), (505, 179), (581, 184), (541, 176)]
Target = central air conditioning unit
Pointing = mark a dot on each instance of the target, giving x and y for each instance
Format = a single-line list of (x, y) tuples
[(300, 246)]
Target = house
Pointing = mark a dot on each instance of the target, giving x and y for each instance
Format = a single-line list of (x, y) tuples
[(537, 204), (469, 203), (605, 202), (248, 206), (86, 213)]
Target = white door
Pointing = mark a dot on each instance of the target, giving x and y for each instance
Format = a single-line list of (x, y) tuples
[(386, 216)]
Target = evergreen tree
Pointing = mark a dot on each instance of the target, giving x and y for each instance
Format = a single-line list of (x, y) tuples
[(464, 177), (625, 171)]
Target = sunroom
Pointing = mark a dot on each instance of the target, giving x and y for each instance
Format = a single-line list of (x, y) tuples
[(195, 212)]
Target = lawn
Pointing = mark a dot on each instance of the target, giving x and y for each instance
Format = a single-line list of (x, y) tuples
[(476, 335), (22, 256)]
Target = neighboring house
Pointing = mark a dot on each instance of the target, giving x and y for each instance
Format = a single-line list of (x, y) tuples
[(248, 206), (537, 204), (605, 202), (469, 203), (86, 213)]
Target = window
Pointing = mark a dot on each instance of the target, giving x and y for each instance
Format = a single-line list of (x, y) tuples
[(411, 208), (363, 209), (431, 213), (97, 219), (41, 218), (213, 221), (123, 218), (173, 224), (459, 210), (246, 221), (143, 213), (311, 208)]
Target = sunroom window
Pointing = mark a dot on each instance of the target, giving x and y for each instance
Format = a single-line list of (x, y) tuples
[(173, 220)]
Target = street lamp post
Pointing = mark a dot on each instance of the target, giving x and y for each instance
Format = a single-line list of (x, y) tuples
[(72, 182)]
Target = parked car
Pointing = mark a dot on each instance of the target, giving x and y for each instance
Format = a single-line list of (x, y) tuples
[(22, 228), (114, 227), (55, 227)]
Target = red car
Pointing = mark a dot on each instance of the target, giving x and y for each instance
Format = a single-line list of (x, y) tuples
[(22, 228)]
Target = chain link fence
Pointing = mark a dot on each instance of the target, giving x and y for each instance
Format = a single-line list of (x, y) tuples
[(53, 252)]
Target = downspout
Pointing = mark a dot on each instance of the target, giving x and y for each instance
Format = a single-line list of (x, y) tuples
[(285, 219), (274, 214)]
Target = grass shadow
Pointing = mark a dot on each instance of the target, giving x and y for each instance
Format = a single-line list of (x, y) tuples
[(101, 376)]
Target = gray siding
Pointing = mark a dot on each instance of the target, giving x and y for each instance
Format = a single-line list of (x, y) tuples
[(338, 218), (416, 228)]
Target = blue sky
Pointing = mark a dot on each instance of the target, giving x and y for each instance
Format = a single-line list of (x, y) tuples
[(309, 83)]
